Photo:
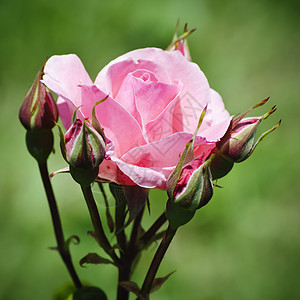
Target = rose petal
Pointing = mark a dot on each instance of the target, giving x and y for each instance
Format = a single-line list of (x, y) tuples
[(119, 126), (218, 119), (144, 177), (63, 74), (112, 75), (152, 98), (163, 125), (126, 97), (163, 153)]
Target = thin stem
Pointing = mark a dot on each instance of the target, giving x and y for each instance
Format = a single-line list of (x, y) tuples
[(148, 235), (119, 226), (128, 257), (95, 217), (134, 233), (62, 246), (159, 255), (109, 219)]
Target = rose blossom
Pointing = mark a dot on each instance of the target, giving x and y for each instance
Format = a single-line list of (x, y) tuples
[(155, 100)]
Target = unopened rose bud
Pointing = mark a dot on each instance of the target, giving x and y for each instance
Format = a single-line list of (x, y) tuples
[(84, 151), (39, 110), (193, 190), (239, 142), (38, 114)]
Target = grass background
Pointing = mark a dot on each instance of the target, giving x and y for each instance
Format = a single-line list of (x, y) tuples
[(245, 244)]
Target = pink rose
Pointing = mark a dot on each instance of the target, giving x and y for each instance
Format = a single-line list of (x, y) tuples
[(154, 104)]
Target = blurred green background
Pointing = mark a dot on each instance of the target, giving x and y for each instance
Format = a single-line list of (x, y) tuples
[(245, 244)]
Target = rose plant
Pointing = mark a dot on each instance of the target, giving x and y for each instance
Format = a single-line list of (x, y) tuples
[(149, 120)]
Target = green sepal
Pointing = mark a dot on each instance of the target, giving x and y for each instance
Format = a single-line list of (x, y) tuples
[(177, 215), (95, 122), (220, 166), (40, 144), (187, 156), (84, 176), (61, 141)]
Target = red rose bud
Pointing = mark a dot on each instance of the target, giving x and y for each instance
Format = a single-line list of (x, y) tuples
[(39, 110), (239, 141), (193, 190), (84, 151)]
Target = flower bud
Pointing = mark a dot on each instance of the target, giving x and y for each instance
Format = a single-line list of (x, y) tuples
[(180, 43), (239, 141), (84, 150), (39, 110), (192, 190)]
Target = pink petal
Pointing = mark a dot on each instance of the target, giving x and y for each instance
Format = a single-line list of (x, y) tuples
[(63, 74), (112, 75), (149, 166), (144, 177), (216, 123), (126, 97), (152, 98), (163, 153), (119, 126), (163, 125)]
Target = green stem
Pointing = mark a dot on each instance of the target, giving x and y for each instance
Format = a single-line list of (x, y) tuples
[(148, 235), (95, 217), (119, 225), (128, 257), (159, 255), (62, 246)]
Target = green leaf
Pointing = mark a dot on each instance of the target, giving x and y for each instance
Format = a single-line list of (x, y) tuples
[(132, 287), (158, 282), (94, 259)]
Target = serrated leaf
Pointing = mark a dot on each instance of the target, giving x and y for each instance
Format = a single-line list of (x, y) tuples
[(94, 259), (158, 282)]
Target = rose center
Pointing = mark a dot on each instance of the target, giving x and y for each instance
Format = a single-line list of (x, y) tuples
[(145, 76)]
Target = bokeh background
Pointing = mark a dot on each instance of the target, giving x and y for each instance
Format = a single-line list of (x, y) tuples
[(245, 244)]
